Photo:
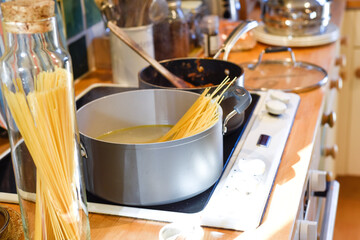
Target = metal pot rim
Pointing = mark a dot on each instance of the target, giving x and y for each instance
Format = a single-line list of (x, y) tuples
[(159, 144)]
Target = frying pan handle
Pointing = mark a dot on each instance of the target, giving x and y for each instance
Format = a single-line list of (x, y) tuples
[(243, 101), (230, 41)]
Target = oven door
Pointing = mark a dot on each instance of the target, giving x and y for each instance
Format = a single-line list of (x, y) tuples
[(318, 208), (329, 213)]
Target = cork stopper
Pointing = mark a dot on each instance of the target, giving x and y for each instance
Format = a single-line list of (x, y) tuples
[(23, 16), (27, 10)]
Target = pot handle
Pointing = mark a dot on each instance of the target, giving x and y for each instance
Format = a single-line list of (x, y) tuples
[(230, 41), (83, 150), (243, 99), (273, 50)]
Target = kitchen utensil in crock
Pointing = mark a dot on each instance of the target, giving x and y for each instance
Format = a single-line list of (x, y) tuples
[(287, 75), (108, 10), (134, 13), (173, 79), (151, 173), (296, 17)]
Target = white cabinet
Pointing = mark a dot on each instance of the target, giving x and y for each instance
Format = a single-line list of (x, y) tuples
[(348, 131), (329, 122), (329, 146)]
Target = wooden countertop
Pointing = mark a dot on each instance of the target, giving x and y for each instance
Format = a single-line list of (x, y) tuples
[(282, 209), (352, 4)]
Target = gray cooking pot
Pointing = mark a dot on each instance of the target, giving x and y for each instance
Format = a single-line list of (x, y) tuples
[(296, 17), (153, 173)]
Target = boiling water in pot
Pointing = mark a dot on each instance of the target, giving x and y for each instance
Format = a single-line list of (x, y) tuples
[(136, 135)]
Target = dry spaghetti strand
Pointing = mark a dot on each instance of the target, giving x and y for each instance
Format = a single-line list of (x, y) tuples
[(45, 119), (201, 115)]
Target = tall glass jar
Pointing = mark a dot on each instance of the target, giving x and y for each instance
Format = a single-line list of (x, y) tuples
[(171, 35), (37, 89)]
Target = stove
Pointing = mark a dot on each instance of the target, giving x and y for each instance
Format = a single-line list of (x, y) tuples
[(252, 154)]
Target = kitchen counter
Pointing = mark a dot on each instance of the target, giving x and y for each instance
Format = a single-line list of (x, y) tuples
[(282, 209), (352, 4)]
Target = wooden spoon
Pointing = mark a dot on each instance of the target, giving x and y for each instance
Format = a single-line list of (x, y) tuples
[(176, 81)]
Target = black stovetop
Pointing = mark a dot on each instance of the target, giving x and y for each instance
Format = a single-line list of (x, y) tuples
[(192, 205)]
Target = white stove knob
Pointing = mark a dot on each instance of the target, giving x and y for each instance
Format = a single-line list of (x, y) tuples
[(280, 96), (275, 107), (308, 230), (318, 181)]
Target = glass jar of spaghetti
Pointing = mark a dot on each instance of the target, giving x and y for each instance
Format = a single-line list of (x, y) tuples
[(38, 93)]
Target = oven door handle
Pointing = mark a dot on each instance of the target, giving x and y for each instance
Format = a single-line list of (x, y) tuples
[(332, 195)]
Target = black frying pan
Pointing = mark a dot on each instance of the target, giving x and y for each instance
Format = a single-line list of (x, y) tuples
[(200, 72)]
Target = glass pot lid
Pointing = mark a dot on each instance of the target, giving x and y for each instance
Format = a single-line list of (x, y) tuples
[(287, 75)]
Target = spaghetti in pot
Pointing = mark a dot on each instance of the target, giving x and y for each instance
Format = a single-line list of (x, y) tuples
[(201, 115)]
